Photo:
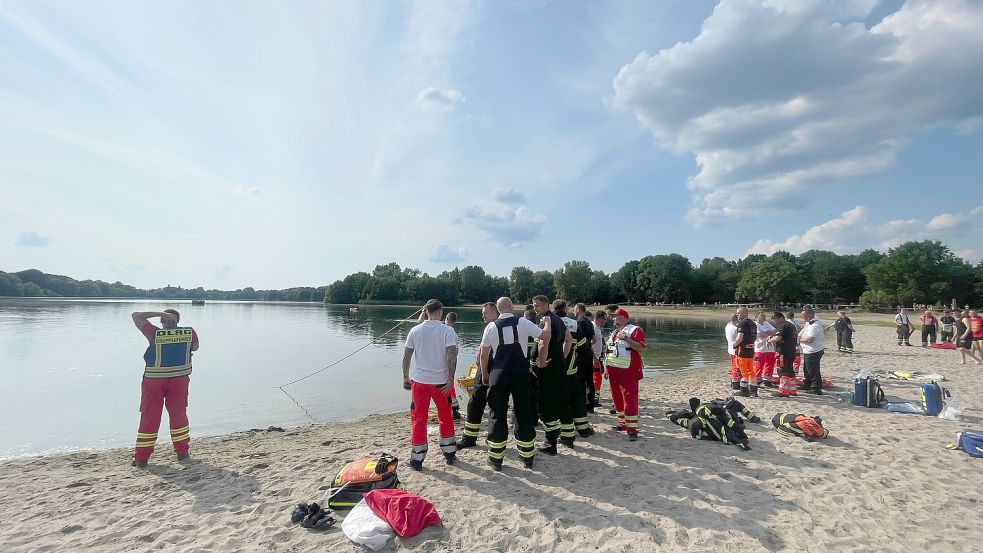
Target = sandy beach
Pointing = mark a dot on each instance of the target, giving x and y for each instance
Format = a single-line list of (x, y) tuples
[(882, 482)]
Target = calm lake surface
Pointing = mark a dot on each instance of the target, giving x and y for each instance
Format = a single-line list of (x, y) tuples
[(71, 369)]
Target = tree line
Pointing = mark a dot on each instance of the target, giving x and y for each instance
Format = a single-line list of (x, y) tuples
[(34, 283), (924, 272)]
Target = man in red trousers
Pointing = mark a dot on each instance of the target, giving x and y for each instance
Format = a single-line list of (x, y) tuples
[(165, 382), (624, 367)]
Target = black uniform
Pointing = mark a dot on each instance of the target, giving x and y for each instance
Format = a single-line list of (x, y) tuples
[(788, 335), (509, 377), (552, 385), (720, 420), (576, 396), (948, 321), (476, 409), (745, 350), (844, 336), (585, 361), (903, 329)]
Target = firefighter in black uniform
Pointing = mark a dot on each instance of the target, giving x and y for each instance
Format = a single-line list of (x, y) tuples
[(507, 375), (554, 345), (476, 406), (576, 392)]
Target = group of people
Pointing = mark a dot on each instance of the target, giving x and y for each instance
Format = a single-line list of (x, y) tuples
[(963, 328), (547, 365), (756, 346)]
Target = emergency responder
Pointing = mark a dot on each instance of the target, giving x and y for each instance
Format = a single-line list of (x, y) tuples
[(623, 364), (554, 345), (479, 398)]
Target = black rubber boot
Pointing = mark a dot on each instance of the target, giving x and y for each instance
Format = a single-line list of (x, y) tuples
[(548, 448), (753, 391), (735, 384), (567, 442), (466, 442), (744, 392)]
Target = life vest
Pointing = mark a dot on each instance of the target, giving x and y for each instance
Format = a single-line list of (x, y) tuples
[(619, 354), (169, 354), (578, 342), (795, 424), (359, 477)]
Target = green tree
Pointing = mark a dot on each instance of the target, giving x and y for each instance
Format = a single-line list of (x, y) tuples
[(572, 282), (624, 282), (10, 285), (771, 281), (522, 284), (474, 284), (543, 283), (665, 278), (600, 288), (921, 272), (715, 281)]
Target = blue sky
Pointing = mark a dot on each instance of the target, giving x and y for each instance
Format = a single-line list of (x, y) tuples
[(232, 144)]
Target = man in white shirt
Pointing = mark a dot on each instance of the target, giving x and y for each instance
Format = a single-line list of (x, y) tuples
[(433, 345), (812, 342), (505, 370), (905, 328), (730, 333), (764, 352)]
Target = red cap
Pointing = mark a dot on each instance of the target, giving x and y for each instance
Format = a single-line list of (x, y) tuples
[(621, 313)]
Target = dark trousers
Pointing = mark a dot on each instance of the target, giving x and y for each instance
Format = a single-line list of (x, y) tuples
[(502, 385), (844, 340), (811, 375), (946, 337), (903, 334), (585, 371), (551, 387), (476, 409), (928, 333), (577, 404)]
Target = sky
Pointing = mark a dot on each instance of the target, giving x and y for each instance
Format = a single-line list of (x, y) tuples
[(278, 144)]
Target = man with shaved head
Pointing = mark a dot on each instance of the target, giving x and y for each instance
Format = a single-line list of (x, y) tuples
[(747, 333), (505, 370)]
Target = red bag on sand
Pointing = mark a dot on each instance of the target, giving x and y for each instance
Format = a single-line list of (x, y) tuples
[(406, 512)]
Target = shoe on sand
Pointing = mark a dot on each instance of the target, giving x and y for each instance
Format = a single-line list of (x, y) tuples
[(138, 464)]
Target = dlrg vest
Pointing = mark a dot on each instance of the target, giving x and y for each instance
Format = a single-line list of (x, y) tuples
[(619, 354), (169, 354)]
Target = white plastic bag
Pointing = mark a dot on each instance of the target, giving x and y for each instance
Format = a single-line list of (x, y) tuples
[(952, 409), (364, 528)]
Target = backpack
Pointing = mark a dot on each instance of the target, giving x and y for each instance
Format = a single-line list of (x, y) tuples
[(970, 441), (933, 398), (359, 477), (867, 392), (798, 425)]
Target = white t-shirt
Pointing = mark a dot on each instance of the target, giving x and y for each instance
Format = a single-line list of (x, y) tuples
[(730, 332), (761, 345), (598, 347), (526, 329), (813, 329), (429, 341)]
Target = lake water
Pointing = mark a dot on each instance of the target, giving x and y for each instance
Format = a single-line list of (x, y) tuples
[(71, 369)]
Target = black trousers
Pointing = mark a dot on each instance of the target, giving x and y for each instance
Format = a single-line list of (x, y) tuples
[(551, 387), (502, 385), (577, 404), (585, 370), (844, 340), (786, 368), (476, 409), (928, 333), (811, 375), (902, 334), (947, 337)]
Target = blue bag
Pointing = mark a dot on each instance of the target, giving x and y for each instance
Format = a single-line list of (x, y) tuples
[(970, 441), (933, 398), (859, 391)]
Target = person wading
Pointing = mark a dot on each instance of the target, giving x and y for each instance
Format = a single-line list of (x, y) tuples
[(505, 370), (433, 345), (479, 398), (166, 376), (554, 345)]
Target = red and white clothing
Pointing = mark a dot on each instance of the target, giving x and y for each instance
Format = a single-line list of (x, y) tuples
[(765, 354), (624, 380), (429, 341), (157, 394)]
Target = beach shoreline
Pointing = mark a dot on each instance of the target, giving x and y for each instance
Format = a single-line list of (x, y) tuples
[(883, 481)]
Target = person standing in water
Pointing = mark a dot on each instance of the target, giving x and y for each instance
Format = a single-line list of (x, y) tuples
[(166, 377)]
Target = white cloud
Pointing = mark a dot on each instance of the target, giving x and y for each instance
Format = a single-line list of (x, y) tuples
[(853, 232), (977, 210), (773, 96), (223, 271), (31, 239), (509, 196), (445, 254), (249, 190), (509, 226), (434, 99)]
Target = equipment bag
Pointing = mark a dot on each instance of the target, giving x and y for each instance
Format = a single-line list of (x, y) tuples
[(867, 392), (799, 425), (933, 398), (970, 441), (360, 477)]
